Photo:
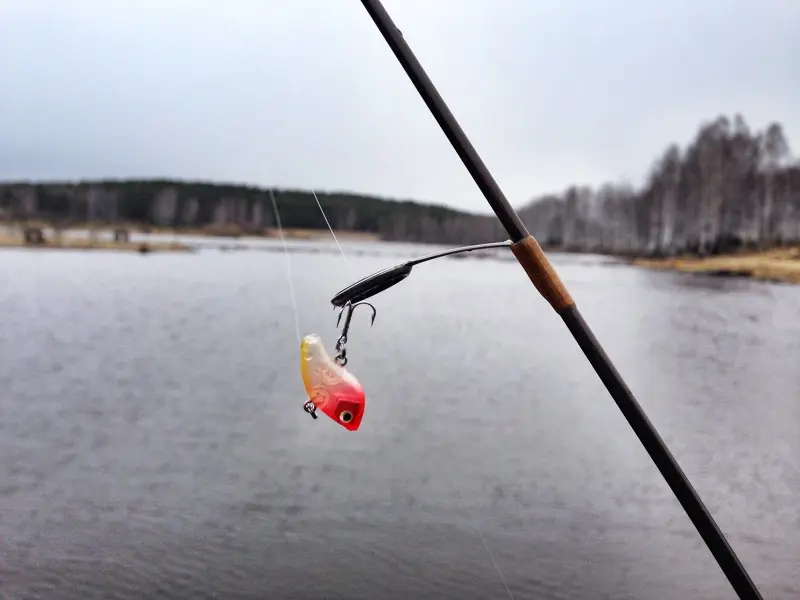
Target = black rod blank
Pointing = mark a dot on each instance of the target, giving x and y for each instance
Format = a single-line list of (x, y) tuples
[(622, 395), (463, 147)]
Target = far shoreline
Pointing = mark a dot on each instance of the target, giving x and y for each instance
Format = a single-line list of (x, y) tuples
[(103, 237), (777, 265), (780, 264)]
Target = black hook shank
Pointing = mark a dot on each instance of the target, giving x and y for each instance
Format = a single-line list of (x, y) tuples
[(341, 343)]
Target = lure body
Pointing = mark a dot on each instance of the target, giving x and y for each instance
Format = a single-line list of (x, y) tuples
[(330, 387)]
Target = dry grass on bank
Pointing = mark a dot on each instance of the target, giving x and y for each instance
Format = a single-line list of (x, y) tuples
[(780, 264), (11, 236), (13, 240)]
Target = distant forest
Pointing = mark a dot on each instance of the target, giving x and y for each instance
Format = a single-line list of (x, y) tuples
[(236, 210), (729, 188)]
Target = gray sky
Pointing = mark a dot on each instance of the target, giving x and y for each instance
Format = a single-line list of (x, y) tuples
[(306, 93)]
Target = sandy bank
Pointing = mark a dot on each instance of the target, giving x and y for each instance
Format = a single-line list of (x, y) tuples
[(10, 240), (780, 264)]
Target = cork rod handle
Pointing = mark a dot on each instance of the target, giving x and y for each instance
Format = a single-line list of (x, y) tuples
[(541, 272)]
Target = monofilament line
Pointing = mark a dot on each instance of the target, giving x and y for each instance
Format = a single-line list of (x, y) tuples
[(288, 263), (324, 216), (486, 545)]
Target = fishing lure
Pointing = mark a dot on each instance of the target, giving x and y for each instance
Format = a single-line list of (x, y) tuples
[(330, 387)]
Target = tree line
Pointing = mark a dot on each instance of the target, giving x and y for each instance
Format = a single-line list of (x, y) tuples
[(234, 208), (729, 188)]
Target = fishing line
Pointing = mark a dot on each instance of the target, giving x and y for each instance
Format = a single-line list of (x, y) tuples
[(486, 545), (288, 264), (324, 216), (286, 253)]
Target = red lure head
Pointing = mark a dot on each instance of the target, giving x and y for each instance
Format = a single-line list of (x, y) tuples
[(330, 387)]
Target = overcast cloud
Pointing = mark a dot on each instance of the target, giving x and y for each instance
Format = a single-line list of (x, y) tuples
[(306, 93)]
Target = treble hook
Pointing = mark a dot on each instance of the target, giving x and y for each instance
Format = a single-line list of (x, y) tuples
[(341, 351)]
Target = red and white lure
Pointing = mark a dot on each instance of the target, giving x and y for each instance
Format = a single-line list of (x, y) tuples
[(331, 388)]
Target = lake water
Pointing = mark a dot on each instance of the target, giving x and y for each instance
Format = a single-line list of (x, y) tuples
[(153, 442)]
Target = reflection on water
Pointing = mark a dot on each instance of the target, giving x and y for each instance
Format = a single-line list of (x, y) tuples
[(153, 442)]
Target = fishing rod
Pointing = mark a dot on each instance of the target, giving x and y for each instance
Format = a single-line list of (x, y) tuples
[(544, 277)]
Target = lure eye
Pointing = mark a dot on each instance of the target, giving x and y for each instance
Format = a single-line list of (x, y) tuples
[(345, 416)]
